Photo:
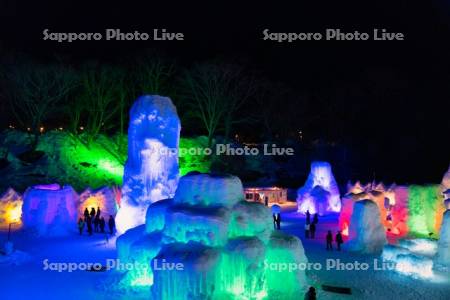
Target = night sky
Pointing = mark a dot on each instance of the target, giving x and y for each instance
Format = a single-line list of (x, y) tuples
[(390, 97)]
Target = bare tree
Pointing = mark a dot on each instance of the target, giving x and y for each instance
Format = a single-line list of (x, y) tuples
[(153, 75), (37, 90), (98, 100), (241, 89), (207, 95)]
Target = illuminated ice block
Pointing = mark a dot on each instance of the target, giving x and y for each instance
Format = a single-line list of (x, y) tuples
[(209, 190), (225, 245), (105, 198), (442, 258), (10, 209), (366, 233), (320, 194), (50, 210), (151, 171)]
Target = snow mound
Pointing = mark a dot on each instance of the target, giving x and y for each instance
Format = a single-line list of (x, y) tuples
[(50, 210), (251, 219), (208, 226), (366, 233), (408, 262), (151, 171), (425, 247), (414, 265), (16, 258), (209, 190)]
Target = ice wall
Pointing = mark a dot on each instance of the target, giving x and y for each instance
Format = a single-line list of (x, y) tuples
[(426, 208), (106, 198), (50, 210), (320, 194), (223, 243), (151, 170), (10, 209), (442, 259), (366, 233)]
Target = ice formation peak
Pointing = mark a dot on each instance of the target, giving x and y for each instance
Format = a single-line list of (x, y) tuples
[(151, 171)]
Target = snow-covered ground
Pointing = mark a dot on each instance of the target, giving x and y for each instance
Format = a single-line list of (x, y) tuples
[(30, 281)]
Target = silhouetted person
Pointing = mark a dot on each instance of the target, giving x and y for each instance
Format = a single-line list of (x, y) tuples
[(81, 225), (111, 224), (307, 227), (102, 224), (278, 221), (329, 240), (312, 230), (311, 294), (316, 219), (96, 223), (266, 201), (274, 216), (89, 225), (86, 213), (308, 217), (339, 240), (92, 213)]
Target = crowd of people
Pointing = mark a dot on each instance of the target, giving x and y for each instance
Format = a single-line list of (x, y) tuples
[(310, 232), (95, 222)]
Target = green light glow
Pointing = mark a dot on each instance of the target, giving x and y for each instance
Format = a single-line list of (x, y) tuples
[(112, 167), (424, 204), (102, 163), (189, 163)]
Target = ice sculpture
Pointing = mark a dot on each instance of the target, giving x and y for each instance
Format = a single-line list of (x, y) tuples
[(366, 234), (10, 209), (425, 209), (445, 184), (151, 171), (106, 198), (50, 209), (320, 194), (443, 255), (224, 244)]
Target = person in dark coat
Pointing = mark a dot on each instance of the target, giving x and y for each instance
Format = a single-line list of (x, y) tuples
[(96, 223), (339, 240), (308, 217), (316, 219), (111, 224), (278, 221), (89, 225), (102, 224), (81, 225), (329, 240), (86, 213), (312, 230), (98, 212), (92, 213), (311, 294), (274, 216)]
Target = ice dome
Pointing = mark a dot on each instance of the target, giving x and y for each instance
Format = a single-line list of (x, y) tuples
[(50, 209)]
